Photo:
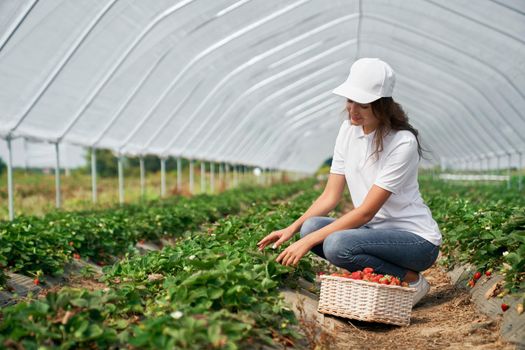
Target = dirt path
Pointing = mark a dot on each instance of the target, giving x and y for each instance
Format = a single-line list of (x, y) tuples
[(444, 319)]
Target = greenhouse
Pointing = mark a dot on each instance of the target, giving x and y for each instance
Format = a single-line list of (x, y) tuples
[(197, 174)]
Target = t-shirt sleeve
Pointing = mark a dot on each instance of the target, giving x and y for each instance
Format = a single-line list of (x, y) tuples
[(338, 160), (400, 164)]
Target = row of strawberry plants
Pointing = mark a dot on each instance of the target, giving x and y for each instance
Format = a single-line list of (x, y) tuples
[(212, 290), (483, 226), (37, 246)]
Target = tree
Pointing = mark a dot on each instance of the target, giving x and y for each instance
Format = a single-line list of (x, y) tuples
[(106, 162), (2, 166)]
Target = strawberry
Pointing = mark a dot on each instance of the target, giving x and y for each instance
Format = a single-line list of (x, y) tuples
[(141, 241), (71, 243), (504, 307), (384, 280), (76, 256), (477, 275), (357, 275), (36, 281), (376, 278), (488, 273), (395, 281), (368, 270), (471, 283)]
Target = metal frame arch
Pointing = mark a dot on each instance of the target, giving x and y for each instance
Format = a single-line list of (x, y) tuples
[(128, 99), (107, 77), (4, 39), (270, 137), (60, 66), (462, 133), (265, 136), (299, 125), (306, 92), (476, 21), (256, 59), (216, 45), (410, 29), (272, 78), (453, 78), (423, 111), (247, 118), (471, 86)]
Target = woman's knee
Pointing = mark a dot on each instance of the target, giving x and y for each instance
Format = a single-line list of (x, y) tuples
[(334, 248), (313, 224)]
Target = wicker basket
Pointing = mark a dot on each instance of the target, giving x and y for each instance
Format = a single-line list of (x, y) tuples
[(365, 301)]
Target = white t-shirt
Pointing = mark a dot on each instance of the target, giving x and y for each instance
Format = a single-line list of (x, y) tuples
[(395, 171)]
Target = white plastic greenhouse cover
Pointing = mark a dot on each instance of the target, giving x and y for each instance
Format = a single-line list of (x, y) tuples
[(249, 81)]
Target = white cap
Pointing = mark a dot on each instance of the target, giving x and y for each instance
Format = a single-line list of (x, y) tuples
[(369, 80)]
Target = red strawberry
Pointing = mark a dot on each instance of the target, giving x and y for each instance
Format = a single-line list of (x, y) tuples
[(488, 273), (76, 256), (477, 275), (368, 270), (357, 275), (384, 280), (321, 273), (141, 241), (376, 278), (504, 307), (36, 282), (395, 281), (471, 283)]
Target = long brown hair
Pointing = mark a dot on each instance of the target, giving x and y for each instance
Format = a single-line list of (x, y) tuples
[(391, 116)]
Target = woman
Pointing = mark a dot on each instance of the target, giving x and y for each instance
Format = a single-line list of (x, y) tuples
[(377, 154)]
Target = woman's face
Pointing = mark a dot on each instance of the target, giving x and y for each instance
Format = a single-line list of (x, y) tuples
[(362, 114)]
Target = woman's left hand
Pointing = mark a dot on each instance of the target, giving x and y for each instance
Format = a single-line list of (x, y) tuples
[(294, 253)]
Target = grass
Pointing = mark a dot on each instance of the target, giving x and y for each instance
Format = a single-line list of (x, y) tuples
[(34, 193)]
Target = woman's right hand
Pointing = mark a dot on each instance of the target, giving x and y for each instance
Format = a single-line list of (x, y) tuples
[(279, 237)]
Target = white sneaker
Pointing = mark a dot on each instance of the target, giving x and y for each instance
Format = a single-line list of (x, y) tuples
[(422, 288)]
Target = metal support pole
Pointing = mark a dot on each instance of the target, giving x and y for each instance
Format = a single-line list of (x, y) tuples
[(520, 171), (191, 175), (212, 177), (163, 177), (94, 174), (226, 176), (221, 175), (203, 177), (179, 174), (10, 192), (57, 177), (120, 180), (509, 162), (235, 175), (142, 178)]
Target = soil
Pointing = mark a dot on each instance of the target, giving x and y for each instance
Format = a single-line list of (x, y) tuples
[(444, 319)]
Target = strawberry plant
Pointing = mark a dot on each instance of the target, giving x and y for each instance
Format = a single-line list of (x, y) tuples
[(213, 289), (32, 245), (483, 226)]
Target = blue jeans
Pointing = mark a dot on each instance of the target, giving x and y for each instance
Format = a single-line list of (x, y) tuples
[(387, 251)]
